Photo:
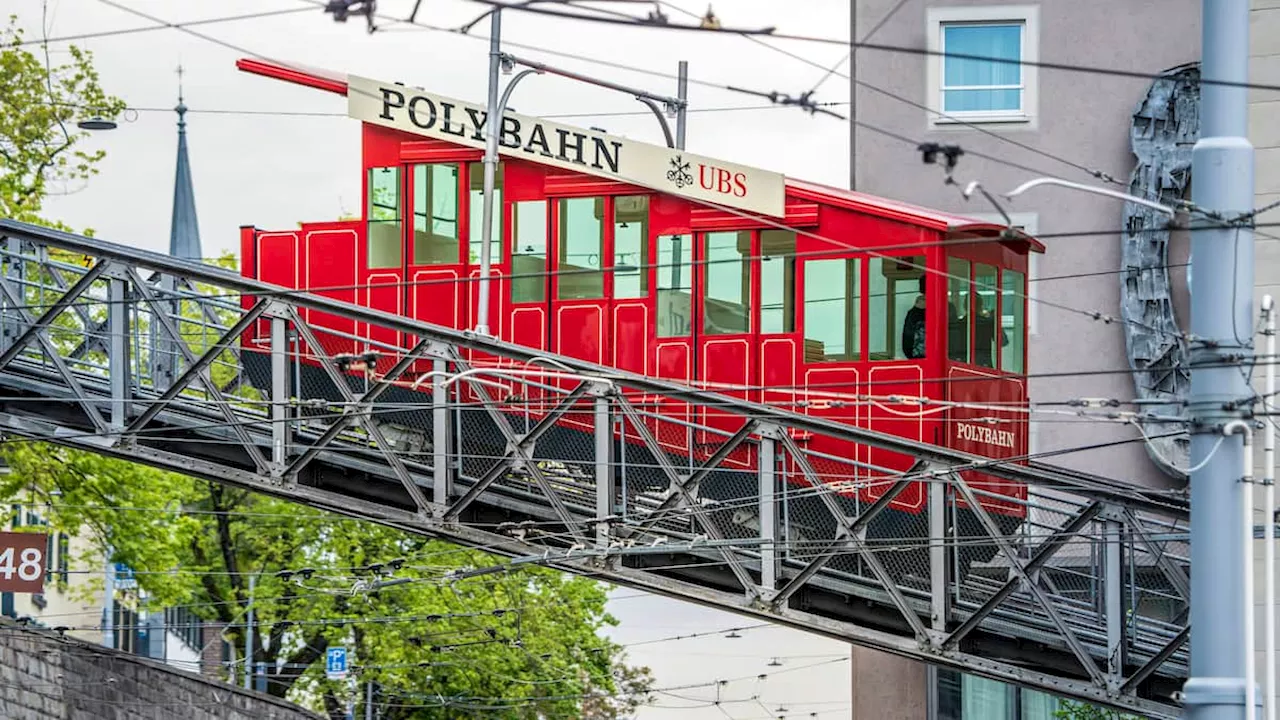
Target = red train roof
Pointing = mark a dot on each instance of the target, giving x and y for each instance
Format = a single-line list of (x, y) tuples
[(336, 83)]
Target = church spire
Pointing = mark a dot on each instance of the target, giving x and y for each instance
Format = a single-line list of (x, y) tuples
[(184, 231)]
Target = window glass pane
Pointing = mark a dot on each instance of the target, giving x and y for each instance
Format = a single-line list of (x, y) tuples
[(1038, 706), (973, 85), (384, 218), (777, 281), (581, 245), (894, 297), (435, 214), (985, 699), (476, 210), (727, 293), (831, 310), (984, 309), (529, 254), (1012, 321), (958, 310), (631, 246), (675, 286)]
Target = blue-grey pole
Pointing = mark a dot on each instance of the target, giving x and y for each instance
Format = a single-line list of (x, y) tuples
[(1222, 323), (492, 125)]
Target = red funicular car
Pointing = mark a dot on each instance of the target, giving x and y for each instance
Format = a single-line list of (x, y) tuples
[(657, 261)]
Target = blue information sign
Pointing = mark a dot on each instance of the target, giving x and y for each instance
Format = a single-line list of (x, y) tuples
[(335, 663)]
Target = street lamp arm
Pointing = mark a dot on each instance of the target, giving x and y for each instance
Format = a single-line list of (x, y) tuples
[(506, 93), (662, 120), (1091, 189)]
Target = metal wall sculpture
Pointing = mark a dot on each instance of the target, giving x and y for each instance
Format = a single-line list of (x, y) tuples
[(1165, 128)]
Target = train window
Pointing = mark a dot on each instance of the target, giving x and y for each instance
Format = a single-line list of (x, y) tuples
[(1012, 320), (631, 246), (529, 252), (475, 199), (831, 310), (895, 304), (777, 281), (727, 291), (675, 286), (435, 214), (384, 218), (581, 246), (985, 337), (958, 309)]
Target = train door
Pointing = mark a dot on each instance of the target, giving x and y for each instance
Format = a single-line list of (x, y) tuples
[(382, 269), (434, 253), (499, 310), (580, 286), (725, 340), (673, 318), (896, 304), (779, 341)]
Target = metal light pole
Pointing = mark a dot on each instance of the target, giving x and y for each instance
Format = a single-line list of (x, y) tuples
[(494, 112), (491, 125), (1222, 323)]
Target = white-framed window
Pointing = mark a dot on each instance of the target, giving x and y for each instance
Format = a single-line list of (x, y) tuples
[(982, 74)]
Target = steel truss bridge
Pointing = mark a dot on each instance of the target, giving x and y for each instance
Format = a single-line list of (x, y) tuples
[(136, 355)]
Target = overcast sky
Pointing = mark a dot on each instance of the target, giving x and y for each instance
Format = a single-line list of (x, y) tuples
[(273, 171)]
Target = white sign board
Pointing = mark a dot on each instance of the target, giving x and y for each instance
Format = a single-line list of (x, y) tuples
[(587, 151)]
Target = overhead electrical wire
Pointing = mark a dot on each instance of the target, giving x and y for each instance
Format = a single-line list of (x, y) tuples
[(771, 33)]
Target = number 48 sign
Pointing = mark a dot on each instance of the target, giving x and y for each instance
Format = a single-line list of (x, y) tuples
[(22, 562)]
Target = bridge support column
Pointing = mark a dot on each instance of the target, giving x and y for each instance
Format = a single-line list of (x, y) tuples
[(604, 469), (938, 587), (1113, 596), (12, 327), (279, 392), (768, 515), (164, 352), (119, 367), (442, 481)]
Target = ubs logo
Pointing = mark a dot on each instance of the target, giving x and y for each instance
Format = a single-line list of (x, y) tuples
[(679, 172)]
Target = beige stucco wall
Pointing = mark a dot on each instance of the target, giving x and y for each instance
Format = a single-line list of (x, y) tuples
[(1083, 119)]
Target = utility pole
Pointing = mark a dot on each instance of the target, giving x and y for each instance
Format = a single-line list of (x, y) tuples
[(1222, 326), (248, 638), (496, 109), (492, 123)]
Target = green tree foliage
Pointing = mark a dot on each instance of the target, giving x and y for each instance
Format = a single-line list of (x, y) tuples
[(522, 644), (1071, 710), (39, 105)]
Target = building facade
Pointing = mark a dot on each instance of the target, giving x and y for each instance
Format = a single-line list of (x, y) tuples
[(1016, 123)]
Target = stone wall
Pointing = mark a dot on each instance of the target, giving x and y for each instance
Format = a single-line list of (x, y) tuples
[(45, 676)]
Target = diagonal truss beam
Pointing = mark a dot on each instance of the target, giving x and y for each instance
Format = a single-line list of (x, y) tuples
[(1174, 574), (502, 464), (713, 532), (366, 420), (197, 369), (94, 331), (691, 483), (1044, 551), (1032, 583), (365, 404), (35, 329), (854, 536), (518, 449), (1166, 652)]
